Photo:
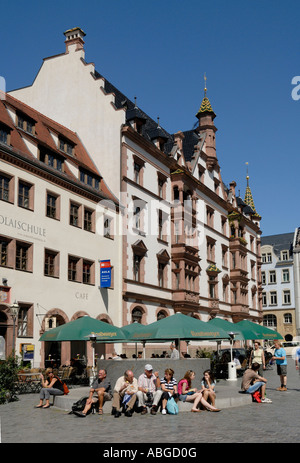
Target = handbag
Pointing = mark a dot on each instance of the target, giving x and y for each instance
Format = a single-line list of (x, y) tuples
[(65, 387), (172, 407)]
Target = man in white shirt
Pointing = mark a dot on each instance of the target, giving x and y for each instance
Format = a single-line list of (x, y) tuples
[(148, 393), (174, 352), (125, 391)]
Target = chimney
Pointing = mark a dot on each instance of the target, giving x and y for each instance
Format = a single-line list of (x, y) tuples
[(74, 39)]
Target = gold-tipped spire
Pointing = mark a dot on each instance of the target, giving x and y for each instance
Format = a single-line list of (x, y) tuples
[(248, 195), (205, 105)]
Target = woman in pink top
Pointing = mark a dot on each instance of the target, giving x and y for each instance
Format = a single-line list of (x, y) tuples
[(186, 394)]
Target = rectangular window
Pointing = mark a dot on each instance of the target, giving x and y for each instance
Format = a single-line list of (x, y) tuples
[(4, 252), (88, 220), (74, 215), (4, 136), (4, 187), (89, 179), (52, 206), (73, 268), (25, 195), (210, 217), (23, 316), (26, 124), (87, 272), (22, 256), (286, 297), (263, 278), (51, 268), (137, 170), (273, 298), (81, 270), (137, 267), (272, 276), (53, 160), (285, 275), (107, 232), (161, 274), (285, 255), (264, 299), (66, 146)]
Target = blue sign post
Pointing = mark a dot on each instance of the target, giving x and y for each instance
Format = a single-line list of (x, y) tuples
[(105, 274)]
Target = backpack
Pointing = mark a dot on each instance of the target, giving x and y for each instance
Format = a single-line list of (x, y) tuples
[(172, 407), (79, 405), (256, 397)]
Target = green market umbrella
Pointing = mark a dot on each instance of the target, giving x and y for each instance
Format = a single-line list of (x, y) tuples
[(261, 332), (228, 327), (80, 330), (178, 326)]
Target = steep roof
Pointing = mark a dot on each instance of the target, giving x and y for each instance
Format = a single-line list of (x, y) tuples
[(280, 242), (44, 126), (249, 199), (205, 108)]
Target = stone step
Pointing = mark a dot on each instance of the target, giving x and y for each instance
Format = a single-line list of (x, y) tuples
[(226, 397)]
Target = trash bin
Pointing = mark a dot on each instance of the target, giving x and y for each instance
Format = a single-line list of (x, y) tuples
[(231, 371)]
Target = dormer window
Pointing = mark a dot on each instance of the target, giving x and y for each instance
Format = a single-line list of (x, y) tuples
[(89, 179), (66, 146), (52, 160), (4, 135), (26, 124)]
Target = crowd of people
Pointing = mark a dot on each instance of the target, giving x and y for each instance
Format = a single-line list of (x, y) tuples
[(131, 394)]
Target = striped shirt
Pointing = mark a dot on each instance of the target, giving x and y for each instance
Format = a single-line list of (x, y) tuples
[(168, 385)]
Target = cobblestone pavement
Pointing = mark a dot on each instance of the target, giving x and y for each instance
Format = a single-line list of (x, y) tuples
[(268, 423)]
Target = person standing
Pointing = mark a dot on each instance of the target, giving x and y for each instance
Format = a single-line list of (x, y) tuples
[(296, 356), (174, 352), (281, 362), (257, 356)]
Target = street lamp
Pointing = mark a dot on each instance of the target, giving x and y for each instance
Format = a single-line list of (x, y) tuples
[(14, 309), (93, 338), (231, 364)]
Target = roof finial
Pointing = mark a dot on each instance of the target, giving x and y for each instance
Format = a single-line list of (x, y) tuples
[(205, 89), (158, 122), (135, 102), (247, 177)]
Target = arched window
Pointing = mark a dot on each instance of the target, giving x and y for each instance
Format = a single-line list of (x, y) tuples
[(161, 314), (137, 315), (270, 320)]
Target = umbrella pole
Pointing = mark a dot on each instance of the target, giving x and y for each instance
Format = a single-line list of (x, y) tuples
[(144, 350)]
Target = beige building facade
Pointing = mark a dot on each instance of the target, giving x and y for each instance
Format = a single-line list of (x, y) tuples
[(186, 242)]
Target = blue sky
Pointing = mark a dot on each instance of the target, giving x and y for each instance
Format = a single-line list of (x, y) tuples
[(159, 50)]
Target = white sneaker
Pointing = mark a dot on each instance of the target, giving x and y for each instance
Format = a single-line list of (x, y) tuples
[(164, 411), (266, 401)]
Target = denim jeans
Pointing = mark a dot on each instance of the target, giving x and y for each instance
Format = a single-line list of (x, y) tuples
[(47, 391), (255, 387)]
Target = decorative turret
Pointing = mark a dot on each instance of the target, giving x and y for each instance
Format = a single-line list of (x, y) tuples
[(206, 117), (249, 198)]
